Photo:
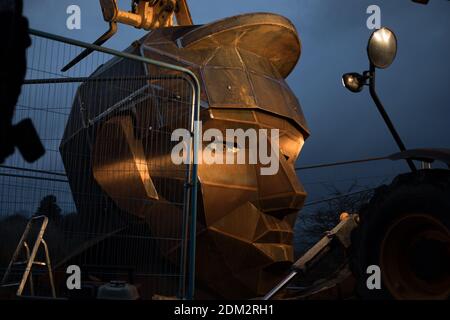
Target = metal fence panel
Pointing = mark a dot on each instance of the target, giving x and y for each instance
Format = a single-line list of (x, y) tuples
[(118, 206)]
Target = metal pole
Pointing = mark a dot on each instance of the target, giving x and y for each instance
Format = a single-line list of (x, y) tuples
[(193, 203), (186, 212), (283, 283), (84, 79), (385, 116), (33, 170)]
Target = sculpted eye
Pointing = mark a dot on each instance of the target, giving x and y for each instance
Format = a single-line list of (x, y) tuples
[(223, 146), (282, 152)]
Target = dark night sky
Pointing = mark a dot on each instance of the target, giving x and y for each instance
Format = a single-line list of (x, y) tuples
[(344, 126), (415, 89)]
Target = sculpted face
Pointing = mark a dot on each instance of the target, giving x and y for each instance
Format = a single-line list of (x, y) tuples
[(245, 244), (245, 218)]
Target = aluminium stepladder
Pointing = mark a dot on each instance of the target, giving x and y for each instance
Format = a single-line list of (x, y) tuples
[(30, 259)]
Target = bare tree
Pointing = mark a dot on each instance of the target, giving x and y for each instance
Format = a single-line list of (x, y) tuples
[(314, 223), (49, 207)]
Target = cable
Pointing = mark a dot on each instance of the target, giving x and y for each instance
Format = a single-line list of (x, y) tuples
[(337, 197), (324, 165)]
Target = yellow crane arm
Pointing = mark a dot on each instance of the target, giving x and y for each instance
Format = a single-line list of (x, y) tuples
[(144, 14), (148, 14)]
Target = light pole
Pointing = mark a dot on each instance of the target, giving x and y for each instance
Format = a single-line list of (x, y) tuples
[(381, 49)]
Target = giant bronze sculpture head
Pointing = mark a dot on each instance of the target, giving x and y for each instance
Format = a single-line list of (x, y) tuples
[(245, 219)]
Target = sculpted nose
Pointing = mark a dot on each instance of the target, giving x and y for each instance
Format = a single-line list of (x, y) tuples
[(282, 193)]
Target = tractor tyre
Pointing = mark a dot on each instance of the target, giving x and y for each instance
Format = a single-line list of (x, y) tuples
[(404, 230)]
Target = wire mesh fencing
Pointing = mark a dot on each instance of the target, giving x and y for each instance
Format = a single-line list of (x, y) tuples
[(118, 207)]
